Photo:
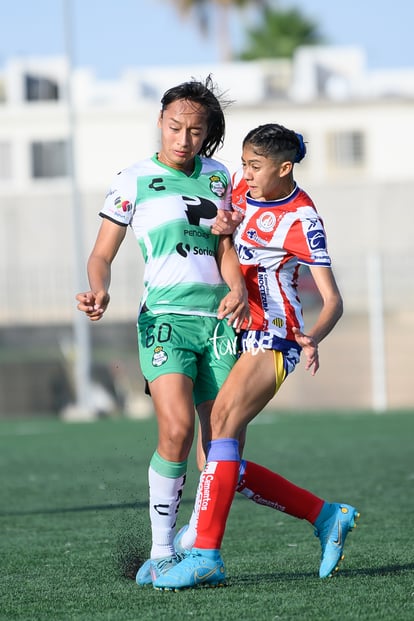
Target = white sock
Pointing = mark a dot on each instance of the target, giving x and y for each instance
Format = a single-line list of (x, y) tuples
[(189, 537), (164, 500)]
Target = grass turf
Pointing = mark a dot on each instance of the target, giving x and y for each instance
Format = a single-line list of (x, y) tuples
[(74, 523)]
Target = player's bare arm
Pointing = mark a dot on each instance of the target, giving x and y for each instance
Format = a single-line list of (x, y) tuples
[(331, 312), (235, 304), (95, 302)]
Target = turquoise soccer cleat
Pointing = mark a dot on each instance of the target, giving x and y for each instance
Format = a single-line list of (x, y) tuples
[(143, 576), (201, 568), (180, 551), (153, 569), (332, 534)]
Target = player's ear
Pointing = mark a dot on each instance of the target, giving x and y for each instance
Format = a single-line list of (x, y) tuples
[(159, 119), (285, 169)]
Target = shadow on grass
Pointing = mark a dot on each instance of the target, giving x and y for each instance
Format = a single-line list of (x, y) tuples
[(388, 570), (83, 508), (378, 571)]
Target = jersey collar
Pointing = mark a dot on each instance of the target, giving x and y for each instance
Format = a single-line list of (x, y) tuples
[(275, 203)]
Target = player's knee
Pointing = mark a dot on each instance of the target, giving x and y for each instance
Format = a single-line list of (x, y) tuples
[(176, 442)]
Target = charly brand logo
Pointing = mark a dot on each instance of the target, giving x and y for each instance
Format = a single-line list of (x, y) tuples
[(157, 184)]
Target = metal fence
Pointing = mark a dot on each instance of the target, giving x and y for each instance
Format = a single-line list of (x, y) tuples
[(365, 362)]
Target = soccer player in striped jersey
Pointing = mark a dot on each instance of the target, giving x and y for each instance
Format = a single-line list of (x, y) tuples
[(280, 230)]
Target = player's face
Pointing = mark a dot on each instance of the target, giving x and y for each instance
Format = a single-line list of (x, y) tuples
[(264, 176), (183, 127)]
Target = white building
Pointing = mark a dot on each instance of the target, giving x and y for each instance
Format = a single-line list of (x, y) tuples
[(359, 129)]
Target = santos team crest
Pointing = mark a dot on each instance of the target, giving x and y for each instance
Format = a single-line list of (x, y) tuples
[(217, 186), (160, 357)]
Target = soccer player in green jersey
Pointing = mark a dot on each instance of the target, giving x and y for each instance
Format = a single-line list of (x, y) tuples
[(194, 292)]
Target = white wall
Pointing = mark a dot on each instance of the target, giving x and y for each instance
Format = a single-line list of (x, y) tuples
[(365, 210)]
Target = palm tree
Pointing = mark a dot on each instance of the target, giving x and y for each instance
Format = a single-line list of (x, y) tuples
[(209, 11), (281, 33)]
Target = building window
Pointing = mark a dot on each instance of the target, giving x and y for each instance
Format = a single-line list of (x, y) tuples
[(347, 149), (40, 89), (49, 159), (5, 161)]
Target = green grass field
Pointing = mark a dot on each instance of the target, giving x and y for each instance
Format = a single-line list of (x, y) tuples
[(74, 523)]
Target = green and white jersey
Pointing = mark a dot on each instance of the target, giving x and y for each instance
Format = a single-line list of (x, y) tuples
[(171, 214)]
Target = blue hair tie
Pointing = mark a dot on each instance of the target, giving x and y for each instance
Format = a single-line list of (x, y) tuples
[(302, 149)]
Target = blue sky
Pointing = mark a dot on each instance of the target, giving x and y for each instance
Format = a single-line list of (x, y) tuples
[(110, 35)]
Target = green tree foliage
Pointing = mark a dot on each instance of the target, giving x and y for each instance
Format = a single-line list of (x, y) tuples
[(280, 33)]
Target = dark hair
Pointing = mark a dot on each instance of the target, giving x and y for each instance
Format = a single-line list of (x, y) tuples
[(276, 142), (205, 94)]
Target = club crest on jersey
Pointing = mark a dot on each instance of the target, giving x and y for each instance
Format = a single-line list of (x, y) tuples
[(160, 357), (122, 204), (266, 222), (217, 186)]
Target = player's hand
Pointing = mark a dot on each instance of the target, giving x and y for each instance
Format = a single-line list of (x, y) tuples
[(309, 348), (93, 304), (235, 307), (226, 222)]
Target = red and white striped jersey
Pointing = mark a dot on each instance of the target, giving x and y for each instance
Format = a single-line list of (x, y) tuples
[(272, 240)]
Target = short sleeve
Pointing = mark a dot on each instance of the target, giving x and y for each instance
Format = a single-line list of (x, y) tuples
[(119, 204), (306, 239)]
